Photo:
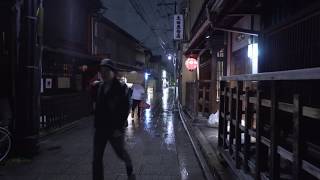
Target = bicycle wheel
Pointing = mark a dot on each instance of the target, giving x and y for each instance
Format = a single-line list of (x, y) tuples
[(5, 143)]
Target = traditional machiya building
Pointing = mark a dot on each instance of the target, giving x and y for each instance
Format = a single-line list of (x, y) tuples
[(110, 41), (66, 62), (220, 50), (49, 61), (43, 45), (6, 63), (71, 62), (199, 87), (257, 64)]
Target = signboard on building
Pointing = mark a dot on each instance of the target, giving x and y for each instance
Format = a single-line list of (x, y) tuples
[(48, 83), (220, 55), (178, 27)]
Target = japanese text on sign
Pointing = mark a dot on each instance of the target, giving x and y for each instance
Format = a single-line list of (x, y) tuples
[(178, 27)]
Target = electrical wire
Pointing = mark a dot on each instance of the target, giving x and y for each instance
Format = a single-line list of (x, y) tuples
[(138, 9)]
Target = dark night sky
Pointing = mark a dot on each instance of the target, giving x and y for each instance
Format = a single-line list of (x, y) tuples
[(124, 14)]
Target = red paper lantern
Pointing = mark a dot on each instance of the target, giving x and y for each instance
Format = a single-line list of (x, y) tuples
[(191, 63)]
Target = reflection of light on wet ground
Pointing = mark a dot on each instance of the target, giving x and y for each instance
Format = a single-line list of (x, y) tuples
[(130, 129), (184, 173), (149, 95), (150, 122), (169, 132), (168, 119), (165, 98), (147, 113), (147, 120)]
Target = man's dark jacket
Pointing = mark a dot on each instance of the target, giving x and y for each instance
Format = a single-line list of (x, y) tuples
[(112, 108)]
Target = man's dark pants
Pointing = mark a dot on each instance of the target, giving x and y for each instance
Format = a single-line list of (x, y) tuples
[(117, 143), (135, 103)]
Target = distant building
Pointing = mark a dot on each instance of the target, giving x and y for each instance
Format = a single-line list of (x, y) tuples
[(154, 69), (110, 41)]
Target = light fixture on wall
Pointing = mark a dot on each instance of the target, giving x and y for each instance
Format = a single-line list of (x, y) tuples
[(253, 53), (146, 76)]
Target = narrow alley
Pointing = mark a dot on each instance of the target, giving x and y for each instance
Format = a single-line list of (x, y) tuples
[(158, 144), (229, 89)]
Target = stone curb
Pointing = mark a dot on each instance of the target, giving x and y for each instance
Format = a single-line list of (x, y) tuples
[(206, 170), (46, 134), (214, 162)]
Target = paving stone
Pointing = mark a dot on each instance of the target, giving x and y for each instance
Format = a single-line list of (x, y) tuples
[(158, 145)]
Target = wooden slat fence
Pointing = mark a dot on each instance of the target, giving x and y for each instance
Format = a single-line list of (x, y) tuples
[(198, 97), (59, 110), (262, 137)]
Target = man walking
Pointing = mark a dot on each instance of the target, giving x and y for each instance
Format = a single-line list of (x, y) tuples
[(112, 109)]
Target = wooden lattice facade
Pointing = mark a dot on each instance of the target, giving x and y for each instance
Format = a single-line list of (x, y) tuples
[(269, 122)]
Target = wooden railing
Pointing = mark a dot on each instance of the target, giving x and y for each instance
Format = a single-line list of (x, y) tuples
[(263, 137), (198, 97), (59, 110)]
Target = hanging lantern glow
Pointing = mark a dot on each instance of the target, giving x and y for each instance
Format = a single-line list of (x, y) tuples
[(83, 68), (191, 63)]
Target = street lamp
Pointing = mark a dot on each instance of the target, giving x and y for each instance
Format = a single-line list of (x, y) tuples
[(169, 57)]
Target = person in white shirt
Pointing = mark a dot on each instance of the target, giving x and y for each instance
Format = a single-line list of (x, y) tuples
[(137, 96)]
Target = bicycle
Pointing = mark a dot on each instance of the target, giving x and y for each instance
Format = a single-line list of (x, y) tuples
[(5, 143)]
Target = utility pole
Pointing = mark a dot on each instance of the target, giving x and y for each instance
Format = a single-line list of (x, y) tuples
[(174, 49)]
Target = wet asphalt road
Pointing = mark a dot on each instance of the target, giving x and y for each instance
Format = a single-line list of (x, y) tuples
[(158, 145)]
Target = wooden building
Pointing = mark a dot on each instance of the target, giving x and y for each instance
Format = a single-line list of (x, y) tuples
[(50, 50), (71, 58), (268, 121), (6, 65), (66, 57), (110, 41), (42, 45)]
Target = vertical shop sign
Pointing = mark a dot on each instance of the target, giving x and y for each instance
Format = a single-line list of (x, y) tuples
[(178, 27)]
